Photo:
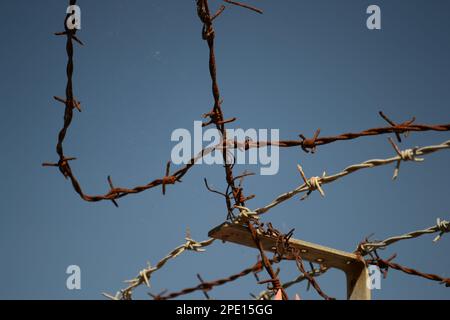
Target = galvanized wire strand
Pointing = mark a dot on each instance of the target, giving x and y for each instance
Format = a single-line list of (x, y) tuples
[(441, 227), (144, 276), (318, 181)]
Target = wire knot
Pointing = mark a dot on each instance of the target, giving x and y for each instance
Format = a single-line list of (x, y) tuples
[(168, 179), (144, 275), (310, 145), (63, 165), (408, 155), (398, 126), (193, 245), (276, 284), (404, 155), (313, 184), (246, 214), (444, 227)]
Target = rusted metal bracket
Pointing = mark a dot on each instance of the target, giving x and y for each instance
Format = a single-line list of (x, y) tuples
[(353, 266)]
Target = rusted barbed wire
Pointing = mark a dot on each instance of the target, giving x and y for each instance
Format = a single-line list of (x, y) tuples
[(387, 264), (216, 116), (207, 286), (311, 278), (234, 195), (441, 227), (274, 280), (282, 249), (349, 170), (269, 294)]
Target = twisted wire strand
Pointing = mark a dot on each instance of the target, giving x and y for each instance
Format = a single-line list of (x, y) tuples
[(217, 118), (207, 286), (144, 276), (349, 170), (366, 133), (386, 264), (311, 279), (441, 227), (116, 193)]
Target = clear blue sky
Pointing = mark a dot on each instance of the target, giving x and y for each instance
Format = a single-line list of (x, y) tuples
[(143, 73)]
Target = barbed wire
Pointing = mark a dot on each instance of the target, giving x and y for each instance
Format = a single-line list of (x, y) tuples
[(282, 248), (269, 294), (387, 264), (216, 117), (441, 227), (207, 286), (309, 145), (144, 276), (234, 195), (311, 278), (315, 183)]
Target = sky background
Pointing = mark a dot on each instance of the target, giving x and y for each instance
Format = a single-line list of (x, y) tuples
[(143, 73)]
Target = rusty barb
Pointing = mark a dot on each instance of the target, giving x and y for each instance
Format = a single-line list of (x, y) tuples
[(393, 124), (282, 249), (234, 196)]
